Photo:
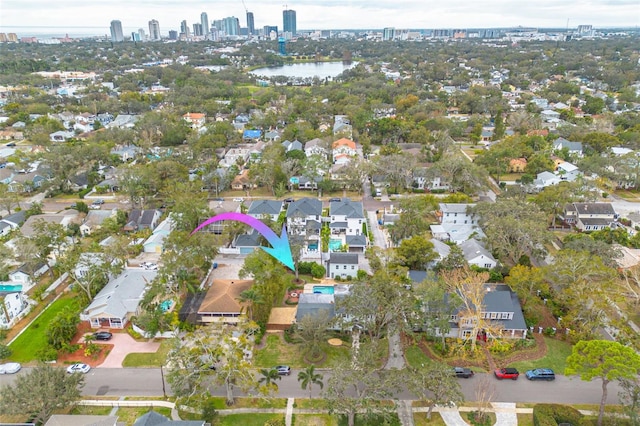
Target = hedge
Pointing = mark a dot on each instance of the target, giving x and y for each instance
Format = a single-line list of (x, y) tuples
[(554, 414)]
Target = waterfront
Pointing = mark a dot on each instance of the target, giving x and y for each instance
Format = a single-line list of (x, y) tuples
[(306, 70)]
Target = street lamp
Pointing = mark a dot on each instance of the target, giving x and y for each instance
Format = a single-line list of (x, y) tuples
[(164, 391)]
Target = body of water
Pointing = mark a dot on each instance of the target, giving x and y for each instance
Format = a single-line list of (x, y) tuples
[(323, 289), (306, 70)]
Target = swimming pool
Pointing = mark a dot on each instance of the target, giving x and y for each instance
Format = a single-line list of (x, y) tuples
[(323, 289), (335, 244), (10, 288), (166, 305), (313, 246)]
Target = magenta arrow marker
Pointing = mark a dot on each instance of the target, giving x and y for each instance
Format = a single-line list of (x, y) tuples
[(280, 248)]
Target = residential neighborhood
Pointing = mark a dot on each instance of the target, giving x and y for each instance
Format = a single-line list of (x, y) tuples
[(241, 241)]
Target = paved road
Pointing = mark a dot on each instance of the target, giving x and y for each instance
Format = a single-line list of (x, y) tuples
[(148, 382)]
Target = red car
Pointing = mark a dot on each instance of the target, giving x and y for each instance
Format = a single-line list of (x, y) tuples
[(506, 373)]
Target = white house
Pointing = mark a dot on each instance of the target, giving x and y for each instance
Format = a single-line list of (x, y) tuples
[(568, 171), (265, 208), (475, 254), (118, 301), (155, 242), (343, 150), (346, 216), (316, 147), (27, 275), (456, 224), (545, 179), (11, 306), (343, 265)]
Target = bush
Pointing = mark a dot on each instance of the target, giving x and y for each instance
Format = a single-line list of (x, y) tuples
[(317, 271), (553, 414), (84, 192), (47, 353), (305, 268), (479, 419)]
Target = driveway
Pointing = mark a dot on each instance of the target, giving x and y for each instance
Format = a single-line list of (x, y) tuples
[(124, 344)]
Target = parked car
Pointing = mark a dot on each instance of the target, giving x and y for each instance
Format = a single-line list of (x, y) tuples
[(102, 335), (333, 200), (95, 206), (463, 372), (283, 370), (506, 373), (10, 368), (218, 199), (238, 199), (289, 200), (78, 368), (149, 266), (99, 201), (540, 374)]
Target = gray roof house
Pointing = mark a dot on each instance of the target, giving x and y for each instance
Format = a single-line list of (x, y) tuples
[(81, 420), (316, 147), (347, 217), (475, 254), (142, 219), (303, 214), (343, 265), (156, 419), (261, 208), (313, 303), (573, 147), (118, 301), (590, 216), (290, 146), (12, 221), (247, 243)]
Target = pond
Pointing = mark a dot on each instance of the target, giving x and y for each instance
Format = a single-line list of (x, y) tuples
[(306, 70)]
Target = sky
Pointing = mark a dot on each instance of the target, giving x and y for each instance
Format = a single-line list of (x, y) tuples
[(94, 16)]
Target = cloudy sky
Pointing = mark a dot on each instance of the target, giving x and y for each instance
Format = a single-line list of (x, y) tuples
[(16, 15)]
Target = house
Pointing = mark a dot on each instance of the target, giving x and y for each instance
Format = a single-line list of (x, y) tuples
[(304, 217), (316, 147), (155, 242), (155, 419), (550, 116), (126, 152), (291, 146), (568, 171), (545, 179), (500, 304), (343, 265), (265, 208), (590, 216), (306, 183), (517, 165), (123, 121), (28, 274), (251, 135), (475, 254), (573, 148), (343, 150), (81, 420), (356, 243), (342, 125), (61, 136), (346, 217), (118, 301), (272, 135), (314, 303), (85, 262), (242, 181), (456, 224), (441, 249), (11, 222), (64, 218), (221, 303), (142, 219), (247, 243), (195, 120), (94, 219), (12, 304)]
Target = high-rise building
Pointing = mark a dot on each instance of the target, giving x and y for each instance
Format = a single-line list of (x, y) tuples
[(173, 35), (142, 34), (12, 37), (289, 21), (116, 31), (204, 23), (270, 31), (388, 33), (197, 29), (135, 36), (3, 38), (154, 30), (231, 26), (250, 24), (184, 29)]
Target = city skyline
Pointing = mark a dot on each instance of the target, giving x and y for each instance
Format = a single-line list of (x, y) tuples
[(317, 14)]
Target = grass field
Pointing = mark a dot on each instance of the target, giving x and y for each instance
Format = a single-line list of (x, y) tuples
[(556, 357), (276, 352), (137, 359), (415, 357), (26, 346), (253, 419), (315, 420), (420, 419)]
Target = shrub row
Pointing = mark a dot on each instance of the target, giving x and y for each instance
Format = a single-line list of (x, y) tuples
[(554, 414)]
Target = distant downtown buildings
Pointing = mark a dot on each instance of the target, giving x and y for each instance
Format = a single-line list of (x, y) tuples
[(226, 27)]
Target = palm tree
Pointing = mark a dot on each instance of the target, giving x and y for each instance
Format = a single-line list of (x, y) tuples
[(250, 297), (269, 377), (309, 377)]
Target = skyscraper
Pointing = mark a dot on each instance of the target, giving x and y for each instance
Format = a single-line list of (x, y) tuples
[(251, 29), (289, 21), (389, 33), (116, 31), (204, 21), (197, 29), (231, 26), (154, 30)]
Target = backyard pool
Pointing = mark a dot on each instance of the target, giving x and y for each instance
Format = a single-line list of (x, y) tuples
[(335, 244), (10, 288), (313, 246), (323, 289), (166, 305)]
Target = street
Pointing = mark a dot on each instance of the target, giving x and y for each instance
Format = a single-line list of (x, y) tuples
[(147, 382)]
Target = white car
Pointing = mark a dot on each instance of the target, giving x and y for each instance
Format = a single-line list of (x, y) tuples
[(78, 368), (238, 199), (10, 368), (149, 266)]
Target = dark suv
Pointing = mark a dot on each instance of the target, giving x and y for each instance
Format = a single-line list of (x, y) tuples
[(102, 335), (540, 374), (462, 372), (506, 373)]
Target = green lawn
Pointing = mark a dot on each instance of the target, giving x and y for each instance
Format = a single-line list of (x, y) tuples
[(26, 346), (420, 419), (315, 420), (415, 357), (253, 419), (556, 357), (141, 359), (276, 352), (128, 415)]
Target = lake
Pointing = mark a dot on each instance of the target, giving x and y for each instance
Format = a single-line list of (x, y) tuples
[(306, 70)]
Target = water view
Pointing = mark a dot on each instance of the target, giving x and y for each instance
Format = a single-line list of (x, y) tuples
[(306, 70)]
